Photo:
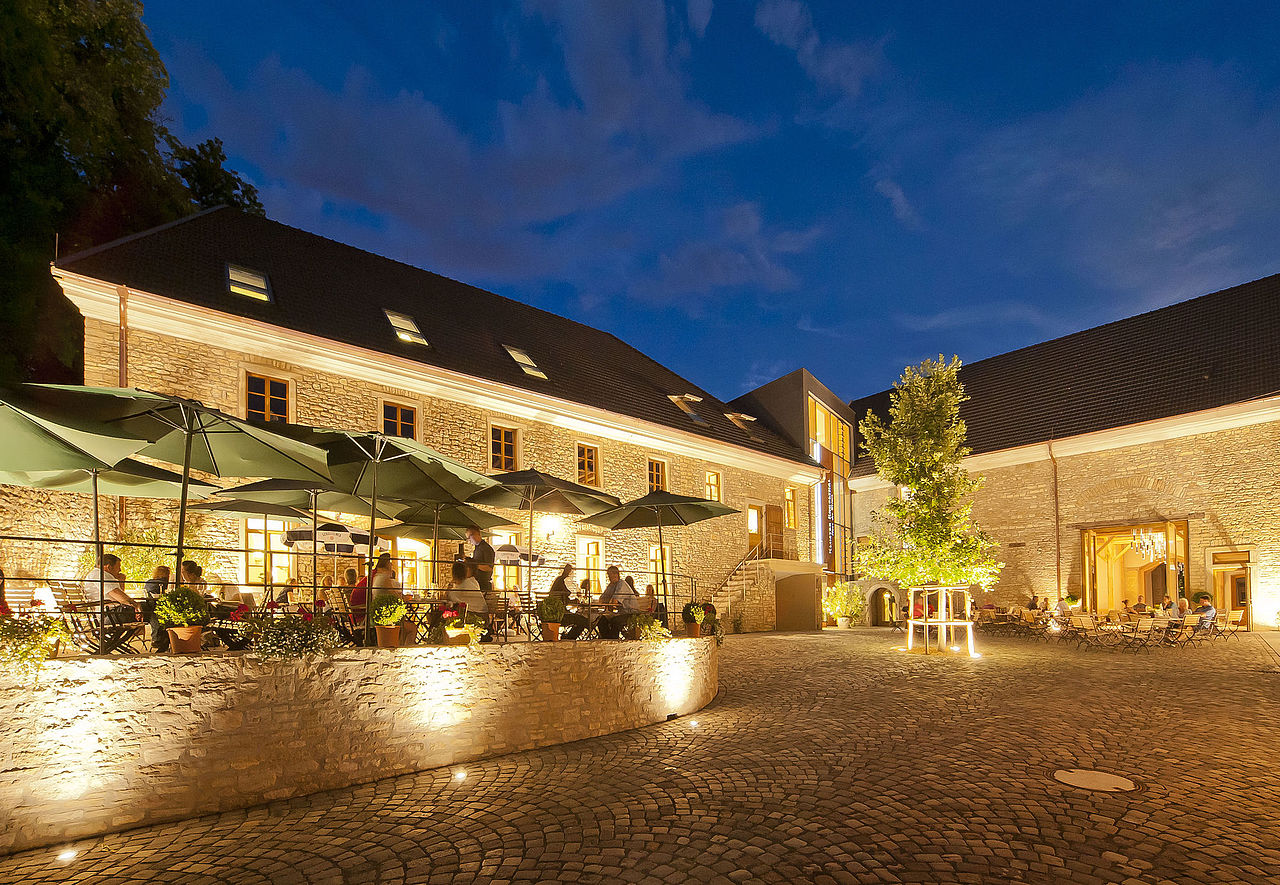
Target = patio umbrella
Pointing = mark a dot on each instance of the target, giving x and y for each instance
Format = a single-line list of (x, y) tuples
[(334, 537), (535, 491), (659, 509), (510, 554), (375, 465), (42, 433), (196, 436), (239, 507)]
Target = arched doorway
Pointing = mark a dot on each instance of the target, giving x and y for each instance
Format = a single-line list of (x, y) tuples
[(881, 608)]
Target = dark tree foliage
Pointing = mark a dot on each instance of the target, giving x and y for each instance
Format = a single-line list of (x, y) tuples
[(82, 162)]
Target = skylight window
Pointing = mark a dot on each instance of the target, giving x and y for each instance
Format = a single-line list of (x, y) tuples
[(406, 329), (743, 421), (525, 362), (249, 283), (684, 402)]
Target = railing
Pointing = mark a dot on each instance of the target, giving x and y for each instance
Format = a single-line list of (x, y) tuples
[(752, 555)]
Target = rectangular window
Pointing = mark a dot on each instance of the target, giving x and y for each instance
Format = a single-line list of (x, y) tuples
[(791, 507), (502, 448), (684, 402), (660, 566), (255, 570), (506, 574), (713, 486), (588, 465), (398, 420), (591, 563), (657, 476), (525, 362), (267, 399), (405, 327), (249, 283)]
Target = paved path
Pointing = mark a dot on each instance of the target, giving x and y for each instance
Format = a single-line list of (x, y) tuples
[(827, 758)]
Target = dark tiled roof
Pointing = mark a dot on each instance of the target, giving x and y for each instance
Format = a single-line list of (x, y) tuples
[(1211, 351), (338, 292)]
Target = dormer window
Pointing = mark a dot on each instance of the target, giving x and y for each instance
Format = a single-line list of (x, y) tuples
[(405, 328), (684, 402), (525, 362), (248, 283)]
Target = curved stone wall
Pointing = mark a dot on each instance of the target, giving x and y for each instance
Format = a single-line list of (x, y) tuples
[(103, 744)]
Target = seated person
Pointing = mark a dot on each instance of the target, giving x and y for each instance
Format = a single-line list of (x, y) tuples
[(1140, 607), (1206, 611), (575, 622), (1181, 610), (193, 576), (384, 581), (106, 584), (1064, 607), (465, 589), (158, 582), (622, 595), (1167, 605)]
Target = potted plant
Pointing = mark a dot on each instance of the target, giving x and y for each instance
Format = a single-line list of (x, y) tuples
[(295, 635), (387, 614), (551, 612), (838, 605), (27, 642), (183, 612), (645, 626), (693, 614)]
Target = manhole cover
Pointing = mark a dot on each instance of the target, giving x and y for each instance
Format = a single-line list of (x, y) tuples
[(1094, 780)]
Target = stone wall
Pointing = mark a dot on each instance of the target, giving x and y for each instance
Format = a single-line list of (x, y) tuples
[(704, 552), (104, 744), (1226, 485)]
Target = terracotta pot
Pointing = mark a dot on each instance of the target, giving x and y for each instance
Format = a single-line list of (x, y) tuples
[(550, 632), (460, 639), (388, 637), (844, 623), (694, 629), (185, 640)]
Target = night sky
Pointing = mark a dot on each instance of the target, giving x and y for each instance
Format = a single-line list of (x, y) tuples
[(740, 189)]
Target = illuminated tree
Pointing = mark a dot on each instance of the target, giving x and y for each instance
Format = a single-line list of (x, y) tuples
[(926, 534)]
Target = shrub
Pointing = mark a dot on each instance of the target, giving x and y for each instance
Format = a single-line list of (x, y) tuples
[(182, 608), (293, 636), (26, 643), (139, 562), (551, 610), (388, 611), (837, 602), (646, 627), (693, 613)]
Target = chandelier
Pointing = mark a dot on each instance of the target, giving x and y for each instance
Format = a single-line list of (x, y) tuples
[(1152, 545)]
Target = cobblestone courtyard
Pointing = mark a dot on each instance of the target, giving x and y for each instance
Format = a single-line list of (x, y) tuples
[(826, 758)]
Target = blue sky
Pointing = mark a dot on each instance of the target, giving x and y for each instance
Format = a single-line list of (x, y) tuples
[(743, 188)]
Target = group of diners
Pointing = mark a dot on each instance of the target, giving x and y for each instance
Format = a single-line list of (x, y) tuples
[(1174, 610)]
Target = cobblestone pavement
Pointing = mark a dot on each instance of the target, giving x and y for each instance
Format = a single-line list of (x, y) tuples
[(827, 758)]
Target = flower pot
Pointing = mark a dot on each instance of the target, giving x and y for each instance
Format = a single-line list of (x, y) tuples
[(389, 637), (844, 623), (185, 640), (694, 629), (550, 632), (463, 638)]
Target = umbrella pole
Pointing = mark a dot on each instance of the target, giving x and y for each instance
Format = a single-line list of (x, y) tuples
[(102, 578), (435, 550), (182, 500), (373, 511), (662, 560), (315, 556), (529, 582), (267, 594)]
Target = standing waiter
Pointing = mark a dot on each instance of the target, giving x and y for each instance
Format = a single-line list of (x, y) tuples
[(481, 559)]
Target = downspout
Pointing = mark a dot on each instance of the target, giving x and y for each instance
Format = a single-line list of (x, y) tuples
[(122, 370), (1057, 522)]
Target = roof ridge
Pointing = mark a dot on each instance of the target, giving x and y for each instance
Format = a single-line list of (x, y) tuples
[(120, 241)]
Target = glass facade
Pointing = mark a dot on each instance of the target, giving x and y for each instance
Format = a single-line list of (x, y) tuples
[(829, 443)]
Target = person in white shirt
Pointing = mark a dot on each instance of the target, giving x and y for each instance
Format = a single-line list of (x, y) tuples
[(466, 589), (625, 597), (384, 581), (1064, 607), (106, 582)]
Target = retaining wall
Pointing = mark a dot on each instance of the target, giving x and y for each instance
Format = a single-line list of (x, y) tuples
[(104, 744)]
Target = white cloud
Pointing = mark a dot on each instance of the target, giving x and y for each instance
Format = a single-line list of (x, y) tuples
[(700, 16), (841, 66), (902, 208)]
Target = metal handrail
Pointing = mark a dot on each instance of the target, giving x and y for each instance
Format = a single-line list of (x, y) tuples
[(753, 553)]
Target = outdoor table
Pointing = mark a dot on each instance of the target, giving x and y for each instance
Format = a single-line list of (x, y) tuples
[(420, 611)]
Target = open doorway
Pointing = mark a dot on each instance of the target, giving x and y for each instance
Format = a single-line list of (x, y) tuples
[(1232, 585), (1134, 563)]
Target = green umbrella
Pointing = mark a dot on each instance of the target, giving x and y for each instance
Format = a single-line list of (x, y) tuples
[(431, 522), (194, 435), (535, 491), (42, 434), (658, 509), (251, 509)]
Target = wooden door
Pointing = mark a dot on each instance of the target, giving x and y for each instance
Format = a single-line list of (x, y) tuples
[(773, 538)]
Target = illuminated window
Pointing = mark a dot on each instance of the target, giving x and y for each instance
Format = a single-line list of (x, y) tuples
[(591, 562), (267, 399), (502, 448), (256, 559), (525, 362), (791, 507), (684, 402), (743, 422), (249, 283), (660, 566), (506, 575), (713, 486), (398, 420), (588, 465), (405, 327), (657, 476)]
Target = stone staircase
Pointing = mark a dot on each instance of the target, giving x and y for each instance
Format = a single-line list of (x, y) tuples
[(742, 595)]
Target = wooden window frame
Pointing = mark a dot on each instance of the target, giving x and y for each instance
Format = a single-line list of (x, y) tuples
[(666, 475), (267, 396), (516, 442), (598, 480)]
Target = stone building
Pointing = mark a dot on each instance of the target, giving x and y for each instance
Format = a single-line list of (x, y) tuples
[(1137, 458), (266, 321)]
